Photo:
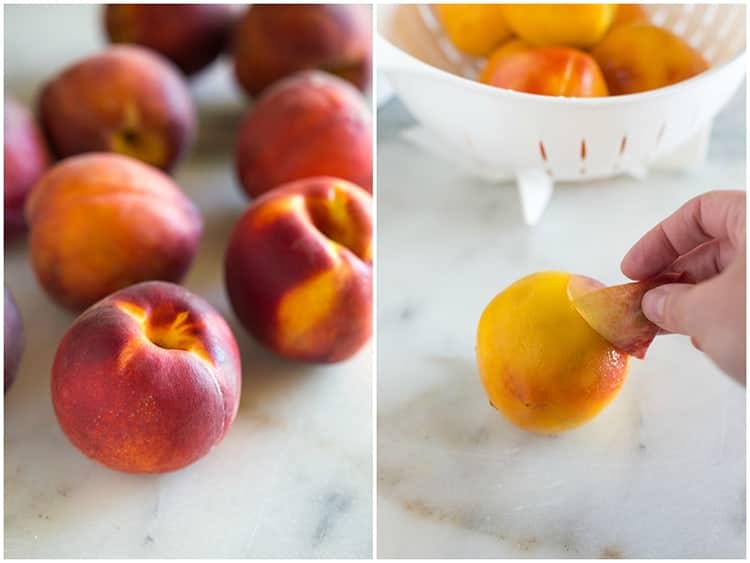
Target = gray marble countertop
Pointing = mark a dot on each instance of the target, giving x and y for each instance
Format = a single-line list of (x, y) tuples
[(292, 478), (659, 473)]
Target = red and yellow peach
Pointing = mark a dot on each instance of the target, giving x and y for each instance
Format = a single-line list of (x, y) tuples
[(101, 222), (147, 380), (127, 99), (310, 124), (25, 159), (274, 41), (192, 36), (298, 269)]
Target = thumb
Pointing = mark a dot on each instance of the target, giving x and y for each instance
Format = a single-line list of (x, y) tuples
[(673, 307)]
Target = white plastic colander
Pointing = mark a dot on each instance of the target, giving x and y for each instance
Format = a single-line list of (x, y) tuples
[(540, 140)]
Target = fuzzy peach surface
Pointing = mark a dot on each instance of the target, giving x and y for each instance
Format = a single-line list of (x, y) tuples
[(147, 380)]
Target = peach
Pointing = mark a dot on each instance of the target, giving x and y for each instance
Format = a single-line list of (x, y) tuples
[(569, 25), (542, 365), (101, 222), (25, 160), (549, 71), (310, 124), (638, 57), (298, 269), (14, 340), (272, 41), (192, 36), (475, 29), (147, 380), (127, 100), (615, 312), (630, 13)]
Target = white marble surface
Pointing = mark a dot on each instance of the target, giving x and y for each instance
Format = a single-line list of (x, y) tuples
[(293, 477), (659, 473)]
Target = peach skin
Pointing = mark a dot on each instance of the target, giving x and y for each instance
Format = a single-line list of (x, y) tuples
[(275, 40), (101, 222), (475, 29), (310, 124), (127, 100), (298, 269), (630, 13), (543, 367), (548, 71), (25, 158), (192, 36), (560, 25), (638, 57), (147, 380)]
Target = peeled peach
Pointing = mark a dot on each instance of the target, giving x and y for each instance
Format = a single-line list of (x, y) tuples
[(310, 124), (298, 269), (475, 29), (638, 57), (126, 99), (14, 341), (570, 25), (192, 36), (548, 71), (630, 13), (101, 222), (25, 160), (542, 365), (147, 380), (273, 41)]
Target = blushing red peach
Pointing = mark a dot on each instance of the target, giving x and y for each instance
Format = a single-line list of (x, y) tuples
[(147, 380), (192, 36), (548, 71), (14, 340), (126, 99), (298, 269), (310, 124), (638, 57), (101, 222), (272, 41), (25, 159)]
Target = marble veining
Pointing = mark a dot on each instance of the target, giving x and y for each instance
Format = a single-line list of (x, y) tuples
[(659, 473)]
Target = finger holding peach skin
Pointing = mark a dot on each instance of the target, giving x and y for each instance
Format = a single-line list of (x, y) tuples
[(298, 270), (101, 222), (147, 380), (309, 124)]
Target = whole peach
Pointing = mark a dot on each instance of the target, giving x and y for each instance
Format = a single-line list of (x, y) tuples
[(25, 160), (127, 100), (549, 71), (639, 56), (101, 222), (475, 29), (310, 124), (192, 36), (298, 269), (560, 25), (14, 341), (272, 41), (147, 380)]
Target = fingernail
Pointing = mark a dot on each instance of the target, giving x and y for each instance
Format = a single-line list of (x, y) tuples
[(653, 304)]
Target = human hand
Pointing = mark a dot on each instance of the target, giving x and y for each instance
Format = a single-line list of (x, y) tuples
[(705, 238)]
